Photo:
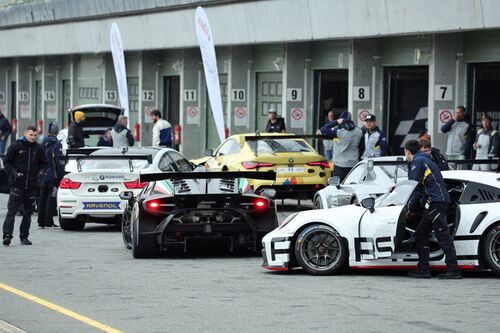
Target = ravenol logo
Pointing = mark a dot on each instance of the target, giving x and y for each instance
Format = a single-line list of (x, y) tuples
[(101, 205)]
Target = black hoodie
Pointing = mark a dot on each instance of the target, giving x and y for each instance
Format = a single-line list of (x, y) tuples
[(23, 163)]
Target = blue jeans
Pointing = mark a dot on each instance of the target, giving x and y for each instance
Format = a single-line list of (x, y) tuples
[(328, 154), (2, 146)]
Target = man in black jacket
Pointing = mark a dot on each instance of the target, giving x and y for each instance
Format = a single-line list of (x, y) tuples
[(76, 136), (5, 130), (51, 177), (23, 162)]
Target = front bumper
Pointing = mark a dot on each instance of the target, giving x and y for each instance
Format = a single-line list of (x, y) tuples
[(276, 252)]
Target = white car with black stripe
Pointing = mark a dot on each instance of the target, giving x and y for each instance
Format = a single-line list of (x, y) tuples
[(377, 235), (92, 192)]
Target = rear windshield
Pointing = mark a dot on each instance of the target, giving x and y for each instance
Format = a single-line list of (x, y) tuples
[(271, 146), (113, 164)]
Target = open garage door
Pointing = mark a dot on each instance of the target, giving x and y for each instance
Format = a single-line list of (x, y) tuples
[(483, 88), (406, 92)]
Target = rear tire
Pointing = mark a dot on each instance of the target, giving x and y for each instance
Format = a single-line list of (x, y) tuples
[(71, 224), (319, 250), (317, 203), (142, 248), (491, 249), (126, 234)]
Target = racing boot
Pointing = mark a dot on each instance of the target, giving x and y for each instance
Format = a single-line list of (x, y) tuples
[(6, 239), (419, 273)]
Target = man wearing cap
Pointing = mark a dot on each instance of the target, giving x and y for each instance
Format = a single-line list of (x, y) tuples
[(374, 142), (51, 176), (76, 137), (275, 124), (346, 137)]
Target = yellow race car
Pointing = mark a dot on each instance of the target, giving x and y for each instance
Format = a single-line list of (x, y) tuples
[(300, 170)]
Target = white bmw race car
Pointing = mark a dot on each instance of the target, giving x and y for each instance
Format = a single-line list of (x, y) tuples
[(92, 194), (376, 234), (370, 177)]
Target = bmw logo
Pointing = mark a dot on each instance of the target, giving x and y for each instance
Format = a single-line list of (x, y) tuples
[(101, 177), (291, 160)]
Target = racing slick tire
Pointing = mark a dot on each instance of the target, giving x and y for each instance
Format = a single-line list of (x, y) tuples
[(317, 204), (126, 234), (491, 249), (319, 250), (142, 247), (71, 224)]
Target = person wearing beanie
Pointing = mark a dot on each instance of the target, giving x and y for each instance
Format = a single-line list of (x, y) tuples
[(76, 136), (51, 177)]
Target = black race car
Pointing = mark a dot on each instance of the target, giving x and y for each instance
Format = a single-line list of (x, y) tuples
[(176, 208)]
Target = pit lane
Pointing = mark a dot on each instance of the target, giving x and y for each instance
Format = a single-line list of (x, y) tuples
[(92, 274)]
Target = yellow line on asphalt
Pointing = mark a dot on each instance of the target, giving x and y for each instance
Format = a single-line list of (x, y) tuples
[(60, 309)]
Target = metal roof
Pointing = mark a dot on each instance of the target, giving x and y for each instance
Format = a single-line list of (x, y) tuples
[(18, 13)]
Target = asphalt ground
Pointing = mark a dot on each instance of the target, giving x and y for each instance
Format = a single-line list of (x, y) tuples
[(77, 281)]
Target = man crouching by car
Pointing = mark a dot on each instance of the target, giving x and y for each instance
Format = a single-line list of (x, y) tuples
[(23, 162)]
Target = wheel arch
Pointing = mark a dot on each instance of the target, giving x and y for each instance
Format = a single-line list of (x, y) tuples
[(481, 258)]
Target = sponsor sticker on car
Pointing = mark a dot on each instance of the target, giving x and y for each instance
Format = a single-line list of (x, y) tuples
[(101, 205)]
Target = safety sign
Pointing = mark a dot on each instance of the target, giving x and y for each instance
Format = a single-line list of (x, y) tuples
[(193, 116), (51, 111), (445, 116), (147, 114), (240, 116), (362, 113), (25, 111), (297, 118)]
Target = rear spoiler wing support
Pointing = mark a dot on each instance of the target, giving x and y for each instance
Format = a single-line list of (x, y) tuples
[(130, 158)]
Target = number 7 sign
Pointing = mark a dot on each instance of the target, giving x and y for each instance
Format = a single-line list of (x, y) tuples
[(443, 92)]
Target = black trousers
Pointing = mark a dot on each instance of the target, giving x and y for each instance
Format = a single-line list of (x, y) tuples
[(435, 218), (18, 198), (47, 204), (340, 172)]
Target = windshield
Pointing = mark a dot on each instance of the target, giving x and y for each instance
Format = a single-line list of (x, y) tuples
[(401, 171), (113, 164), (399, 196), (271, 146)]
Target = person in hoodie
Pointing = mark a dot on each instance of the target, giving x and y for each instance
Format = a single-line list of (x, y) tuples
[(51, 177), (106, 140), (5, 131), (121, 135), (76, 136), (162, 130), (23, 162), (346, 138)]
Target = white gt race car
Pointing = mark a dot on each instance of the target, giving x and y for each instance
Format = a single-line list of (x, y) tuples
[(377, 235), (371, 177), (92, 194)]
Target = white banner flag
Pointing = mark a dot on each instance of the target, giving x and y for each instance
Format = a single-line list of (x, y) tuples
[(210, 68), (119, 64)]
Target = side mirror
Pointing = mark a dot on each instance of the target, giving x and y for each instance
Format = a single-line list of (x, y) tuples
[(126, 195), (368, 203), (208, 152), (269, 192), (334, 181)]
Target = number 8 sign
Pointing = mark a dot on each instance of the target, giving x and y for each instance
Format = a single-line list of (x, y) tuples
[(361, 94)]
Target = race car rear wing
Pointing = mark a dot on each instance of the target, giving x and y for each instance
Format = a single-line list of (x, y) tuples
[(151, 177), (130, 158), (82, 151)]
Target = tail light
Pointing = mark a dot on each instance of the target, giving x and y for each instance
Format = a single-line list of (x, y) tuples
[(323, 164), (260, 203), (135, 184), (253, 165), (153, 204), (68, 184)]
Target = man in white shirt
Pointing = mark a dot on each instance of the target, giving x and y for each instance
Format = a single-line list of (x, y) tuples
[(162, 131)]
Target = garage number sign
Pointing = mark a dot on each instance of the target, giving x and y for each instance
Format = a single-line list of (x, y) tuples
[(361, 94), (294, 95), (443, 92), (238, 95)]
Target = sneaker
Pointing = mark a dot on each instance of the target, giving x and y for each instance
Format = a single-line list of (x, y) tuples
[(450, 275), (6, 240), (420, 274), (26, 241)]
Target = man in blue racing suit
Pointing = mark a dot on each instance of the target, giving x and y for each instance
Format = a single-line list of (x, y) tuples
[(431, 188)]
